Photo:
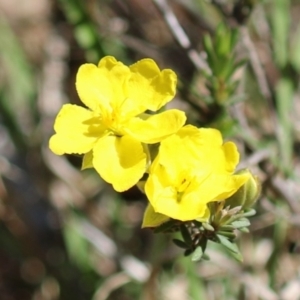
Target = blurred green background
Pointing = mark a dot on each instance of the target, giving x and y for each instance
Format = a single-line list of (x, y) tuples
[(65, 234)]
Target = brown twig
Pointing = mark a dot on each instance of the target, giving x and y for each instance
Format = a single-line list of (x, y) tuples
[(256, 64), (180, 35)]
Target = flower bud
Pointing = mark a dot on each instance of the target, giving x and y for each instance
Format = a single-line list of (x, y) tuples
[(247, 194), (253, 189)]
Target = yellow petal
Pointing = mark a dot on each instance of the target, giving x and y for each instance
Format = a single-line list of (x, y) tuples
[(217, 187), (161, 195), (153, 219), (103, 88), (94, 89), (164, 200), (191, 207), (219, 158), (205, 145), (150, 86), (125, 106), (232, 156), (118, 75), (155, 185), (212, 135), (75, 132), (156, 127), (146, 67), (172, 150), (231, 184), (199, 147), (108, 62), (120, 161), (205, 216)]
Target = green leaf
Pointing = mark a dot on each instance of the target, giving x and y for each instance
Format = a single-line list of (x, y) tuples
[(18, 107), (166, 226), (284, 100), (295, 50), (249, 213), (227, 70), (226, 243), (232, 247), (227, 228), (222, 40), (241, 223), (180, 244), (238, 65), (209, 49), (234, 38), (197, 255), (205, 257), (208, 227), (237, 256), (87, 161), (188, 252), (228, 234), (244, 229), (77, 246), (280, 21), (186, 234)]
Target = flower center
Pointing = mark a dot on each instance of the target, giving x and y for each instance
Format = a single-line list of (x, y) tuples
[(112, 123), (182, 187)]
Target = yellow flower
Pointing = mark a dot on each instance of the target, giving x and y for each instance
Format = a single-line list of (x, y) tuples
[(114, 128), (192, 168)]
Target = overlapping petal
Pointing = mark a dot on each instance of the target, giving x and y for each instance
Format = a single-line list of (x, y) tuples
[(150, 85), (232, 156), (94, 89), (173, 148), (120, 161), (74, 133), (156, 127), (218, 186)]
